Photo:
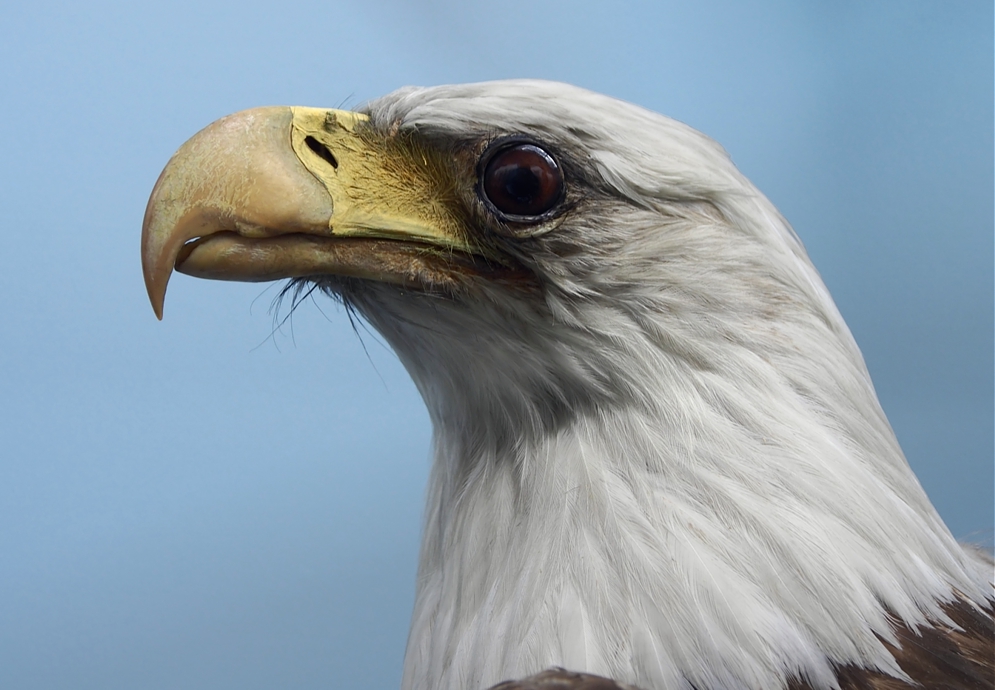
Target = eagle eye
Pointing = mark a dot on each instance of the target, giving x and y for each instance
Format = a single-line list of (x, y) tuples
[(521, 182)]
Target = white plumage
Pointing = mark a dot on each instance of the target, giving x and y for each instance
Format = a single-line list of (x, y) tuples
[(683, 477), (659, 457)]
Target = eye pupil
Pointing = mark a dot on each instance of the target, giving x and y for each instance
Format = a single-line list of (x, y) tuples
[(522, 182), (523, 185)]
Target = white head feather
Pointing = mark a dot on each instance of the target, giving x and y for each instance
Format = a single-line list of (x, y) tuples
[(670, 467)]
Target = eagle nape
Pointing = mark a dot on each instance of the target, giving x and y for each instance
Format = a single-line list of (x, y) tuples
[(658, 455)]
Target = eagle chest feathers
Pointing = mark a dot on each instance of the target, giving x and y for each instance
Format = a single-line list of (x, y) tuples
[(659, 458)]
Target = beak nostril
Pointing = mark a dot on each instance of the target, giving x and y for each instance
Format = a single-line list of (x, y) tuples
[(321, 150)]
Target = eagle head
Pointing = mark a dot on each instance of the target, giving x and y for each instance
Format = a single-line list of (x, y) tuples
[(658, 453)]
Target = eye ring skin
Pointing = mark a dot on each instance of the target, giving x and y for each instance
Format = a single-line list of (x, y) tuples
[(503, 145)]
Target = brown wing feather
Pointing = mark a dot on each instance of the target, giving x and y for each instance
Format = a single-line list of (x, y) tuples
[(562, 679), (939, 657)]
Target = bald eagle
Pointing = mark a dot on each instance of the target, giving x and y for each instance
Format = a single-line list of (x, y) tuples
[(658, 455)]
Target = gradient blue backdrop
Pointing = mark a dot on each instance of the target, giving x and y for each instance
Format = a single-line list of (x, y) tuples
[(209, 503)]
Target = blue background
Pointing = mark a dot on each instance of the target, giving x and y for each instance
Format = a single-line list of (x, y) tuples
[(213, 502)]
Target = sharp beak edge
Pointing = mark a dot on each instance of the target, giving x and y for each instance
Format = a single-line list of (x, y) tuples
[(238, 175), (285, 192)]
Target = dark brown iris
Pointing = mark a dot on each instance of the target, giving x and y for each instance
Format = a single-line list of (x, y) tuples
[(522, 182)]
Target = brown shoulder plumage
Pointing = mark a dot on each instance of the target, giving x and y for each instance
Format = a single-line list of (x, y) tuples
[(561, 679), (939, 657)]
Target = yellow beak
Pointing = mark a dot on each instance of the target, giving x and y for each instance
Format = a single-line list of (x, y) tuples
[(287, 192)]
